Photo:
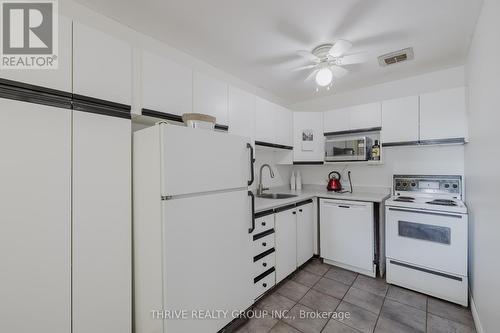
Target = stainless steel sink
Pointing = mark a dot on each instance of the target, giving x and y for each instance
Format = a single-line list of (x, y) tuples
[(276, 196)]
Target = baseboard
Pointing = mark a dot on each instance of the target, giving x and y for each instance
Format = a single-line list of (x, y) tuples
[(475, 315)]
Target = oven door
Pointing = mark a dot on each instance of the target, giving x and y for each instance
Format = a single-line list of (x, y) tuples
[(434, 240), (345, 149)]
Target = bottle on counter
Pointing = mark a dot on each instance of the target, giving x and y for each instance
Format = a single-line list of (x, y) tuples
[(292, 181), (298, 181), (376, 151)]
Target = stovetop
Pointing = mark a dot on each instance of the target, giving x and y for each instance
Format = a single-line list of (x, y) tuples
[(428, 203), (437, 193)]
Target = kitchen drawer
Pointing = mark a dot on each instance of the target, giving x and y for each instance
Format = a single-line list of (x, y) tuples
[(263, 223), (264, 284), (263, 264), (263, 244)]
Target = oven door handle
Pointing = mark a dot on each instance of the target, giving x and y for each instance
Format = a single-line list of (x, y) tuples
[(425, 212)]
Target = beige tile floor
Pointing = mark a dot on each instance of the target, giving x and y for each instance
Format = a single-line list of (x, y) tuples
[(372, 304)]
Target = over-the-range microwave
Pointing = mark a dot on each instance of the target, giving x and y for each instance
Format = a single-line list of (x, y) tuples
[(344, 149)]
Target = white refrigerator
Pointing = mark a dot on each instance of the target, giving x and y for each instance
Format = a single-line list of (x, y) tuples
[(192, 217)]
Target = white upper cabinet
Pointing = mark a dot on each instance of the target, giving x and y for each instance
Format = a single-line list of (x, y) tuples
[(166, 86), (308, 122), (210, 97), (353, 118), (400, 120), (241, 113), (336, 120), (60, 78), (102, 65), (264, 120), (443, 115), (283, 126), (365, 116)]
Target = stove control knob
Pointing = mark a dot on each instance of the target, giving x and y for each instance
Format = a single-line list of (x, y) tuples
[(398, 184), (405, 184), (413, 184), (446, 185), (455, 186)]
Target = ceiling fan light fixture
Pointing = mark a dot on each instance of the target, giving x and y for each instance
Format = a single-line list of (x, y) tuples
[(324, 77)]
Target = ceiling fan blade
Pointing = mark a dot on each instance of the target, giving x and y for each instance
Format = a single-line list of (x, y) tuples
[(338, 71), (308, 55), (339, 48), (351, 59), (310, 76), (301, 68)]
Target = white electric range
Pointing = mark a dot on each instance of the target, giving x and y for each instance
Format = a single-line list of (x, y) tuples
[(426, 236)]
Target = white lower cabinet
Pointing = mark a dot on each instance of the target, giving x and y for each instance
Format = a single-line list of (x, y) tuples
[(35, 222), (305, 232), (347, 234), (101, 224), (286, 242), (264, 253)]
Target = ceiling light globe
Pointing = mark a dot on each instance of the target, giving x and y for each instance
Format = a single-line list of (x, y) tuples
[(324, 77)]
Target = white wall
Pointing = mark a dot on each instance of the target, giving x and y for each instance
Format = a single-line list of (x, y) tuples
[(396, 160), (433, 81), (282, 173), (482, 166)]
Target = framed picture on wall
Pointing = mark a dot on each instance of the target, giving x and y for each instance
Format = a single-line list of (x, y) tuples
[(307, 139)]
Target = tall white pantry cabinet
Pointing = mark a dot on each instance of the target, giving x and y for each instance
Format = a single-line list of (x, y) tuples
[(65, 220)]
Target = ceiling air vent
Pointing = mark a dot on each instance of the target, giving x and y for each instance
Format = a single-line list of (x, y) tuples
[(396, 57)]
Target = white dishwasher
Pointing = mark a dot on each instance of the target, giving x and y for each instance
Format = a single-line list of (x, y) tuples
[(347, 235)]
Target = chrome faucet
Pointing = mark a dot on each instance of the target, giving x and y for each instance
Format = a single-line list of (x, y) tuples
[(261, 188)]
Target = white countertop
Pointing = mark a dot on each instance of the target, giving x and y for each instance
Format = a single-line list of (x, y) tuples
[(378, 194)]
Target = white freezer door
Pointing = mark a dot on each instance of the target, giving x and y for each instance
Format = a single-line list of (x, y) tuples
[(207, 258), (196, 160)]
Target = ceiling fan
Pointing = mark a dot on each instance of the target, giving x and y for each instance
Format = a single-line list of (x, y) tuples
[(327, 61)]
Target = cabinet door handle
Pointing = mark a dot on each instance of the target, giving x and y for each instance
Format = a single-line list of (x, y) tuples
[(264, 285), (250, 182), (251, 229), (264, 264)]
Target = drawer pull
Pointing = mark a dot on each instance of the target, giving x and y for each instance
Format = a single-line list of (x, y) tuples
[(264, 264), (264, 244), (264, 285)]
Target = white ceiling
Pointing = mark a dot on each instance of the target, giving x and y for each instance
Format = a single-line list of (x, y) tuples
[(257, 40)]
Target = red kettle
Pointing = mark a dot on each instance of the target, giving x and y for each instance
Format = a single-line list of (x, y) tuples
[(334, 182)]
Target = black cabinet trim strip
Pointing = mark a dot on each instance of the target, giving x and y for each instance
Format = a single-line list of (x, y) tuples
[(99, 106), (175, 117), (402, 143), (263, 234), (34, 94), (305, 202), (264, 213), (272, 145), (283, 208), (263, 254), (308, 162), (263, 275), (425, 142), (448, 276), (355, 131)]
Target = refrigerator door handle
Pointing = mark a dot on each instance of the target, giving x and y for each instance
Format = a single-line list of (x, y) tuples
[(250, 182), (250, 230)]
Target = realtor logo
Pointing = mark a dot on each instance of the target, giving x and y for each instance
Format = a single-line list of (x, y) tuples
[(29, 34)]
